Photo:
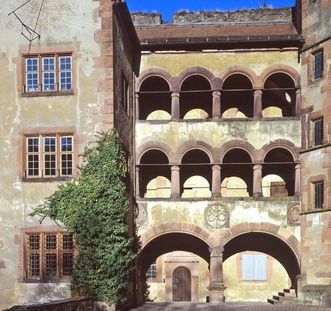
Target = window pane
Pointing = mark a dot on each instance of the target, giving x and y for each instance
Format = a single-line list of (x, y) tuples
[(33, 255), (67, 263), (65, 73), (48, 68), (51, 241), (319, 194), (151, 272), (31, 74), (254, 267), (318, 65), (51, 265), (32, 164), (318, 132)]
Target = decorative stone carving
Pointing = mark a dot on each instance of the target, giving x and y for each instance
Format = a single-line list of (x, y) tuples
[(141, 218), (217, 216), (216, 251), (293, 214)]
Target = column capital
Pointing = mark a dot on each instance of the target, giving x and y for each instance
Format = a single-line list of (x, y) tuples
[(216, 167), (137, 168), (216, 93), (216, 251), (257, 167), (258, 92), (175, 94), (175, 168), (298, 92), (297, 166)]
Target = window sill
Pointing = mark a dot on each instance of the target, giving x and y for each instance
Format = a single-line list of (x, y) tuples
[(46, 94), (46, 179)]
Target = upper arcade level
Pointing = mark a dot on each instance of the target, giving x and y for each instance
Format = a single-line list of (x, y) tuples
[(238, 93)]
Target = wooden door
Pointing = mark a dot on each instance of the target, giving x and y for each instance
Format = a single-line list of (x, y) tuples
[(181, 284)]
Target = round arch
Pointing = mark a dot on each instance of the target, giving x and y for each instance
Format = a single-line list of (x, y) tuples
[(171, 237), (250, 74), (266, 238), (282, 144), (192, 71), (191, 145), (150, 146), (153, 72), (290, 71), (237, 144)]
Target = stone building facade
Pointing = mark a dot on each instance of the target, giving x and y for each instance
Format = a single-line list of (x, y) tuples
[(225, 120)]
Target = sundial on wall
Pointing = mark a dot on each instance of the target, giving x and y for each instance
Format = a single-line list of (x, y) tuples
[(35, 18)]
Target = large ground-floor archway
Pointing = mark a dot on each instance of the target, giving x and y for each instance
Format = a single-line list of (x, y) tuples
[(215, 248)]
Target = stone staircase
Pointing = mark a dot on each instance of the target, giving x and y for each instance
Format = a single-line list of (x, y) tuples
[(288, 296)]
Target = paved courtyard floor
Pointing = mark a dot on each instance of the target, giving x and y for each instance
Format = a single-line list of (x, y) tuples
[(185, 306)]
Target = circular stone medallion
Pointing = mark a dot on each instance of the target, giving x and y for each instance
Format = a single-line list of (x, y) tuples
[(217, 216)]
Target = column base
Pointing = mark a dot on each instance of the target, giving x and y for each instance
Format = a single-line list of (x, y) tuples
[(216, 293)]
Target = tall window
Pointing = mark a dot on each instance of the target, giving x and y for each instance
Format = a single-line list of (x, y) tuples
[(48, 73), (318, 132), (254, 267), (318, 64), (49, 156), (151, 272), (48, 255), (318, 194)]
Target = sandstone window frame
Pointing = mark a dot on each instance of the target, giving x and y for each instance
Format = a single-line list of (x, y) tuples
[(46, 255), (317, 58), (151, 273), (312, 181), (60, 153), (58, 76)]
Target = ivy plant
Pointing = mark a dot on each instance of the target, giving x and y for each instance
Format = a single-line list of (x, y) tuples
[(94, 208)]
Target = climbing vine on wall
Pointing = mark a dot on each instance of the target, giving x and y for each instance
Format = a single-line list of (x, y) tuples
[(94, 208)]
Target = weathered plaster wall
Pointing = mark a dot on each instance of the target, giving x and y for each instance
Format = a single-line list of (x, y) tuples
[(219, 62), (268, 210), (216, 134), (70, 26)]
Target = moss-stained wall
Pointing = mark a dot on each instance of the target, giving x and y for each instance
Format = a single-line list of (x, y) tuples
[(217, 63)]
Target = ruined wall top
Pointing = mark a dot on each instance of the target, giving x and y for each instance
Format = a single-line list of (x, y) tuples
[(246, 16)]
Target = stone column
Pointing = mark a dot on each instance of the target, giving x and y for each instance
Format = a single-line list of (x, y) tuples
[(297, 180), (216, 105), (175, 181), (216, 286), (257, 180), (298, 102), (216, 181), (137, 106), (257, 103), (137, 182), (175, 115)]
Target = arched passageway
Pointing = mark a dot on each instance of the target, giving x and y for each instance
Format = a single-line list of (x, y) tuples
[(268, 244), (169, 246)]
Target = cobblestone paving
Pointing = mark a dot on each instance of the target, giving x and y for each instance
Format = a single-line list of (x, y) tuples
[(184, 306)]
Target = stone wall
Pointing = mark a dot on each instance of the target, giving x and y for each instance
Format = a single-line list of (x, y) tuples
[(141, 18), (254, 15), (246, 16)]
